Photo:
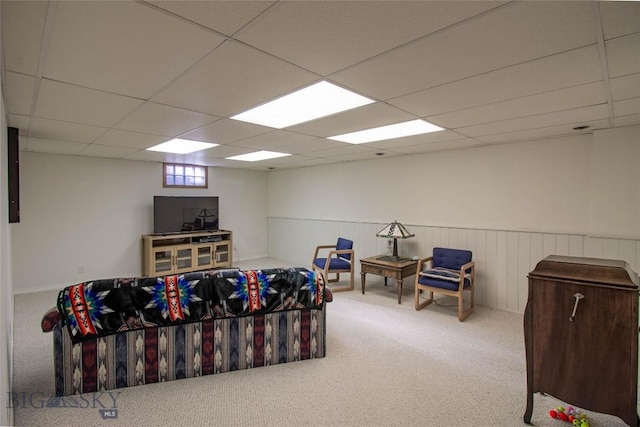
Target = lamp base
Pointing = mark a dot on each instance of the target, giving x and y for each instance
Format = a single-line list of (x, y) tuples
[(394, 257)]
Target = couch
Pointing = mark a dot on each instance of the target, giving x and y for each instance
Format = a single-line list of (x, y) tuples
[(125, 332)]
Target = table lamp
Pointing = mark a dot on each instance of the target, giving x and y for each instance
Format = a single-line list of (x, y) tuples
[(394, 231)]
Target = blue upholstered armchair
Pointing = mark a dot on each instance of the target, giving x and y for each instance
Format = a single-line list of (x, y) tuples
[(338, 260), (449, 272)]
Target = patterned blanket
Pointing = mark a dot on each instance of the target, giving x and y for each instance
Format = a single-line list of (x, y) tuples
[(105, 307), (442, 273)]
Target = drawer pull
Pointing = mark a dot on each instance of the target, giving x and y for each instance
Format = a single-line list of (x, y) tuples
[(578, 297)]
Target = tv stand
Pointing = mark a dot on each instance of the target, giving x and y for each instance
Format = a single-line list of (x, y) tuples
[(182, 252)]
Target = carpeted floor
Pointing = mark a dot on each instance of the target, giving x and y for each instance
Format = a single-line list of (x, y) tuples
[(386, 365)]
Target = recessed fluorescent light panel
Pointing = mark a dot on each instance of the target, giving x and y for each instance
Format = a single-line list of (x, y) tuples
[(258, 155), (181, 146), (398, 130), (315, 101)]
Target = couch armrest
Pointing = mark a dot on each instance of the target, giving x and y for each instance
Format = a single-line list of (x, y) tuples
[(328, 295), (50, 319)]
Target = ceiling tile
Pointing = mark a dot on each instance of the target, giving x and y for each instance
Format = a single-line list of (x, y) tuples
[(553, 72), (356, 156), (625, 87), (309, 162), (437, 146), (365, 117), (268, 141), (545, 132), (19, 93), (232, 79), (627, 120), (223, 151), (562, 99), (304, 161), (53, 146), (269, 169), (283, 160), (239, 164), (163, 120), (61, 101), (225, 131), (308, 146), (22, 31), (156, 156), (226, 17), (575, 115), (224, 163), (325, 37), (623, 55), (59, 130), (507, 36), (95, 150), (427, 138), (628, 107), (382, 153), (126, 139), (87, 49), (619, 18), (18, 121), (344, 150)]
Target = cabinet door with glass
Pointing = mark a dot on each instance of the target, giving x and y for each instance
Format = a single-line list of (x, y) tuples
[(183, 258), (221, 254), (171, 259), (161, 260), (203, 256)]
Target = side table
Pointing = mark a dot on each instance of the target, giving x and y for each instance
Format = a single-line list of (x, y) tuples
[(389, 267)]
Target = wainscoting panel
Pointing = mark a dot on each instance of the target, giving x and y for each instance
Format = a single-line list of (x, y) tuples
[(503, 258)]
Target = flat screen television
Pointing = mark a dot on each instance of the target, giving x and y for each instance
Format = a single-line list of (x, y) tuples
[(174, 214)]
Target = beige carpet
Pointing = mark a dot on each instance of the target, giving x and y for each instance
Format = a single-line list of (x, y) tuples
[(386, 365)]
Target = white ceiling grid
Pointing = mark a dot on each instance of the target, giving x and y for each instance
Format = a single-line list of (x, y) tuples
[(111, 78)]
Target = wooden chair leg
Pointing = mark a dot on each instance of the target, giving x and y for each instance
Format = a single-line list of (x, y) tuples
[(462, 313), (421, 305), (337, 279), (461, 307)]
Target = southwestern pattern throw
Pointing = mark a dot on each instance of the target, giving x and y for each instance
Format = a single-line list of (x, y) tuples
[(105, 307), (109, 334)]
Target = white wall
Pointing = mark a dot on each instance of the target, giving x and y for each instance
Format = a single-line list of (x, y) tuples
[(532, 186), (89, 213), (512, 205), (615, 204), (586, 184), (6, 282)]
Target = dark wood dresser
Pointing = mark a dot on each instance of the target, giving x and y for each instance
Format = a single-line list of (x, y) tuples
[(581, 335)]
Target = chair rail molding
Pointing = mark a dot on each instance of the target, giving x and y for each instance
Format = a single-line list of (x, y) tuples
[(503, 258)]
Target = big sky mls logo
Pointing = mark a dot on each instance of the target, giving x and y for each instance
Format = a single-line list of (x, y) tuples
[(105, 402)]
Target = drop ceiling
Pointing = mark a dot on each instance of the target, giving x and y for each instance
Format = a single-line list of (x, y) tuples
[(109, 79)]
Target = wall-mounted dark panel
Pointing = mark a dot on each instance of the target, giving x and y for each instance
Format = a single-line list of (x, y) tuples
[(14, 174)]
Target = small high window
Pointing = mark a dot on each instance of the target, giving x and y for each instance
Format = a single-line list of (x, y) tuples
[(184, 176)]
